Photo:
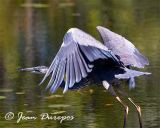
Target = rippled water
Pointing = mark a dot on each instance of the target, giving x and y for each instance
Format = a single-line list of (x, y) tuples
[(31, 34)]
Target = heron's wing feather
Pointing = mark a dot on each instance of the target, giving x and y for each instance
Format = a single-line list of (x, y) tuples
[(74, 59), (120, 46)]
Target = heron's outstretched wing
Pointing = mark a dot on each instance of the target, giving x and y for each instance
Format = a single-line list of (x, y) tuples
[(73, 60), (120, 46)]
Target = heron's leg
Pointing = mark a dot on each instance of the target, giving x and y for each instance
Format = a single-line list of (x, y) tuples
[(111, 90), (126, 110), (138, 108)]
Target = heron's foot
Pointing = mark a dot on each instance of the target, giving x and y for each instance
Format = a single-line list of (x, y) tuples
[(126, 110), (138, 108), (139, 115), (125, 115)]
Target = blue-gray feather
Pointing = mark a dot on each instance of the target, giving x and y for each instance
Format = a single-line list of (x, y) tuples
[(123, 48), (78, 51), (131, 82), (129, 73)]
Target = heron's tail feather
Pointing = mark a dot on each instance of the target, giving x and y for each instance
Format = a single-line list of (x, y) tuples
[(129, 73), (37, 70), (131, 82)]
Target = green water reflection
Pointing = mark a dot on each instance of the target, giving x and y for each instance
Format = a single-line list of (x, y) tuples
[(30, 34)]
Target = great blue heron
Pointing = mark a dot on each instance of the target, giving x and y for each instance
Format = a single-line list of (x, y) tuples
[(83, 60)]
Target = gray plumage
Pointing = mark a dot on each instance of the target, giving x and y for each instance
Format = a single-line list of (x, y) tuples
[(122, 47), (81, 58), (76, 55), (129, 73)]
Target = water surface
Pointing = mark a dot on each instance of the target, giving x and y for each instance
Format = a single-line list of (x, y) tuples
[(31, 33)]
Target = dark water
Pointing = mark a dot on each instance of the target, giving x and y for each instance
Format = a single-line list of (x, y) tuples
[(32, 32)]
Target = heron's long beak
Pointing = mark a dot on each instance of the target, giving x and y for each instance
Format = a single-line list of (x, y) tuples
[(37, 70), (26, 69)]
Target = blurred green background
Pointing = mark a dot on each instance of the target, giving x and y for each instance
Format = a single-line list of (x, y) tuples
[(31, 32)]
